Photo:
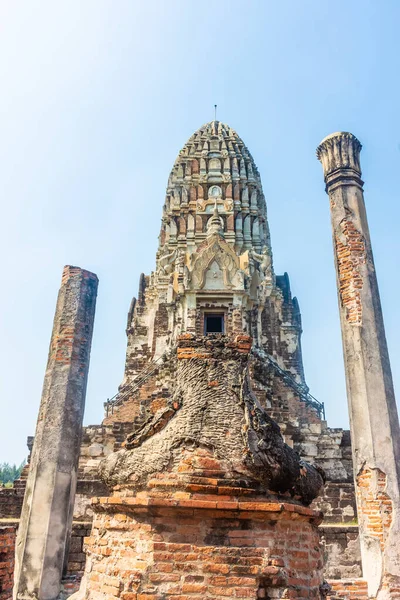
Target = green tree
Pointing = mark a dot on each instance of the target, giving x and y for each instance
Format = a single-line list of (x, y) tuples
[(9, 473)]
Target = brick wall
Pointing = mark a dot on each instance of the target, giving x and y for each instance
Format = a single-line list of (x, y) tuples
[(350, 252), (348, 589), (137, 406), (337, 502), (7, 550), (340, 547), (377, 505), (341, 551), (76, 556), (11, 500), (187, 548)]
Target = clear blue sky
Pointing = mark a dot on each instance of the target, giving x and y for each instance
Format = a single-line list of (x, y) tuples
[(97, 97)]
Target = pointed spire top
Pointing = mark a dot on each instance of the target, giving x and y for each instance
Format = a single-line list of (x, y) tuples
[(214, 124)]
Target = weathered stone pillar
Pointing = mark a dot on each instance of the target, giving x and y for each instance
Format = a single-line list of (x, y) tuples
[(373, 415), (47, 511)]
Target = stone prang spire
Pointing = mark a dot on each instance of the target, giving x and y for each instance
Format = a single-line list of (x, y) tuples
[(213, 188), (215, 166), (204, 459)]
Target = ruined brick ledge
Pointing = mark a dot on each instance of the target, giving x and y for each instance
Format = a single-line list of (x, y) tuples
[(238, 508)]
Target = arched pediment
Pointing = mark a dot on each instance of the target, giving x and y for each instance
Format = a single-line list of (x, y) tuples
[(218, 253), (214, 277)]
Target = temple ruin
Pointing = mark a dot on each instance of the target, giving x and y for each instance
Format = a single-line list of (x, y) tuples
[(214, 473)]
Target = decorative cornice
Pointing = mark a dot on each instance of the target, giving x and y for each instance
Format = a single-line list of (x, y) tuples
[(339, 154)]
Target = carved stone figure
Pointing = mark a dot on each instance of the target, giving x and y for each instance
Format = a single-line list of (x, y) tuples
[(166, 262), (180, 260), (264, 259)]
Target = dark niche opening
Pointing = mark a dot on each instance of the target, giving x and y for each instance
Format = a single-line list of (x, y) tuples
[(213, 323)]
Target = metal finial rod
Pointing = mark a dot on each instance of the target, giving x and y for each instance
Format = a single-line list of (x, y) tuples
[(215, 112)]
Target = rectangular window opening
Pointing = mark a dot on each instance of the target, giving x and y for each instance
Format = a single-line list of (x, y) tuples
[(213, 323)]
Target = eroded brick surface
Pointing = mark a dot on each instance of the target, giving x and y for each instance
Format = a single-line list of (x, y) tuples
[(223, 419), (348, 589), (377, 506), (184, 552), (350, 252), (7, 550)]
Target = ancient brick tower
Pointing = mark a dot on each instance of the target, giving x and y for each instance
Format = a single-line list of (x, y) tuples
[(208, 500), (214, 263)]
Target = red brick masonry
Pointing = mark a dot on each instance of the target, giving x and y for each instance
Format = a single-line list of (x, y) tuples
[(349, 589), (7, 550), (156, 548)]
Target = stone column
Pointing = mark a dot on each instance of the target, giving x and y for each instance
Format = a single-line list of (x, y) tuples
[(46, 518), (374, 421)]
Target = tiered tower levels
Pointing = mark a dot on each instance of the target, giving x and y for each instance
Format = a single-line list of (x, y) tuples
[(214, 167)]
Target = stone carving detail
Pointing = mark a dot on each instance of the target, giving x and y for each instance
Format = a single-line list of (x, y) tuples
[(264, 260), (214, 278), (220, 252), (282, 468), (176, 199), (166, 261), (214, 192), (214, 165), (228, 205), (339, 151), (190, 223), (217, 164), (215, 224)]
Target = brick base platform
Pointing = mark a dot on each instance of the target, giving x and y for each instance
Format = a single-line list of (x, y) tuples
[(144, 548)]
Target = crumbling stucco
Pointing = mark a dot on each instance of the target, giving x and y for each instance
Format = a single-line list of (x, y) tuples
[(213, 407)]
